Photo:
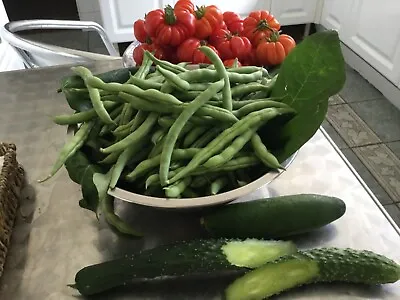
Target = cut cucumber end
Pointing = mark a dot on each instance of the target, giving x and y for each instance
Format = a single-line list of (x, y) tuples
[(252, 253), (272, 279)]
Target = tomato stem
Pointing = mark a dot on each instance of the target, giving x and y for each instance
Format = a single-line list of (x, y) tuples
[(274, 36), (200, 11), (169, 15)]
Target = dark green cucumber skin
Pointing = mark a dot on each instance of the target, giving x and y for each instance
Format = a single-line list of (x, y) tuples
[(274, 217), (349, 265), (197, 258)]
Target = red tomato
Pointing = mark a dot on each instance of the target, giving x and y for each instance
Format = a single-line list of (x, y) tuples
[(184, 5), (170, 26), (138, 52), (208, 18), (230, 63), (251, 59), (188, 51), (259, 25), (138, 30), (273, 51), (233, 22), (230, 45)]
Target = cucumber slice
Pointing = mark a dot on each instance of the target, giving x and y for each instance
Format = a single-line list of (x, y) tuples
[(254, 253), (194, 259), (317, 265)]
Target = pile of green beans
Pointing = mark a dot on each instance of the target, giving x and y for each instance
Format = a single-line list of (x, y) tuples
[(177, 132)]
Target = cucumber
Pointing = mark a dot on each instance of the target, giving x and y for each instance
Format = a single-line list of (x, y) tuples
[(191, 259), (312, 266), (273, 217)]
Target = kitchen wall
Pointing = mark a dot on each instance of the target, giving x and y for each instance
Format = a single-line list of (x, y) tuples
[(89, 10)]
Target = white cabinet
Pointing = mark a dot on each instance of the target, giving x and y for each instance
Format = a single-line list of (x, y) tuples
[(289, 12), (373, 32), (119, 15), (335, 13)]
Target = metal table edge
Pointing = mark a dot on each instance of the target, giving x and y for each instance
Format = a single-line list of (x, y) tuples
[(365, 186)]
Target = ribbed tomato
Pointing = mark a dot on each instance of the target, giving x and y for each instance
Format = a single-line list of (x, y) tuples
[(184, 5), (157, 51), (208, 19), (189, 51), (170, 26), (273, 51), (230, 45), (233, 22), (139, 31), (231, 62), (259, 25)]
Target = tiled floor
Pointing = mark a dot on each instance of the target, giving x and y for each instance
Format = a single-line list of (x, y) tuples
[(364, 125)]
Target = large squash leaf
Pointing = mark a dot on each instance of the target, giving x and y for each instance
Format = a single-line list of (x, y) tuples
[(311, 73)]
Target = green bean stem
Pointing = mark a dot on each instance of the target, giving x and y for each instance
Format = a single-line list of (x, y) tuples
[(218, 184), (179, 123), (176, 189), (220, 68)]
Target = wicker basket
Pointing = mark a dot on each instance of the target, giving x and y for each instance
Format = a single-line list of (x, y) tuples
[(11, 182)]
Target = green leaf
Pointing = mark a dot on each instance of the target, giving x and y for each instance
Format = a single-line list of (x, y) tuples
[(77, 99), (311, 73)]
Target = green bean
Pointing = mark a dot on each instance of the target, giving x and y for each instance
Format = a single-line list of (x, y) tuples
[(165, 64), (145, 84), (218, 184), (244, 89), (134, 137), (244, 69), (229, 152), (122, 162), (156, 79), (81, 117), (232, 165), (176, 189), (267, 158), (235, 63), (70, 148), (139, 119), (124, 127), (206, 110), (198, 86), (94, 94), (126, 115), (202, 180), (173, 79), (220, 68), (189, 193), (110, 158), (206, 76), (148, 164), (141, 155), (168, 87), (179, 123), (158, 135), (121, 134), (155, 178), (245, 110), (206, 138), (107, 207), (157, 149), (237, 104), (194, 135), (144, 68), (252, 120), (183, 64)]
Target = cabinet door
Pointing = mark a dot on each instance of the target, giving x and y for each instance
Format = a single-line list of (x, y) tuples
[(243, 8), (289, 12), (119, 16), (335, 13), (373, 32)]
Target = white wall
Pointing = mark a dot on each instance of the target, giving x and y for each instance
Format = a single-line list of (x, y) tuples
[(89, 10)]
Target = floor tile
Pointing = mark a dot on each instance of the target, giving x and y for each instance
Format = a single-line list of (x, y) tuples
[(350, 127), (395, 147), (357, 88), (394, 212), (381, 116), (384, 165), (338, 140), (368, 178), (336, 99)]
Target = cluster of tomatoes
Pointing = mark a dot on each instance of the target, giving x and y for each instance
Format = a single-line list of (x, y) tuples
[(175, 34)]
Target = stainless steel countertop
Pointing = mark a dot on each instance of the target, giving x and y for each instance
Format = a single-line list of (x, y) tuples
[(54, 237)]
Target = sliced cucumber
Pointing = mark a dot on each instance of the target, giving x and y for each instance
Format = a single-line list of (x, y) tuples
[(193, 259), (317, 265)]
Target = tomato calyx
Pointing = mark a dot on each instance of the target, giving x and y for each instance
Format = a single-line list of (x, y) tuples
[(274, 37), (170, 17), (200, 12), (262, 26)]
